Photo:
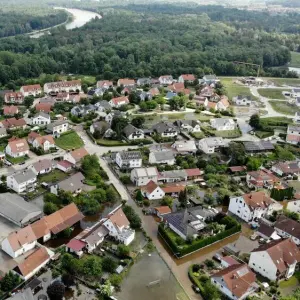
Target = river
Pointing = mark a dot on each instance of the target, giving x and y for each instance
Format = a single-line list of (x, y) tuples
[(80, 18)]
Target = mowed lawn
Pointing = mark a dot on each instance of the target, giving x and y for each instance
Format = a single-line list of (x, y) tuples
[(273, 93), (295, 61), (54, 176), (285, 81), (284, 107), (68, 141), (234, 89)]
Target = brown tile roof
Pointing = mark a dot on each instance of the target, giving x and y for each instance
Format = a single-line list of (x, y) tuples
[(154, 92), (102, 83), (126, 81), (17, 146), (10, 110), (188, 77), (150, 187), (45, 107), (118, 218), (288, 225), (193, 172), (262, 175), (78, 154), (33, 261), (13, 122), (42, 139), (119, 99), (21, 237), (257, 199), (224, 101), (71, 83), (282, 252), (293, 138), (32, 136), (238, 278), (237, 168), (173, 189), (31, 88), (42, 165), (163, 210), (40, 228)]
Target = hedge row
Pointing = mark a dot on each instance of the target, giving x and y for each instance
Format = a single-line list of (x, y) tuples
[(195, 280), (198, 244)]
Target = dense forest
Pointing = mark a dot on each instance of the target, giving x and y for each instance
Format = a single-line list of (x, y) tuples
[(12, 23), (151, 41)]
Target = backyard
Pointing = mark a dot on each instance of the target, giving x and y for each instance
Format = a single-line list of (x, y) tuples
[(54, 176), (284, 107), (16, 160), (68, 141), (273, 93)]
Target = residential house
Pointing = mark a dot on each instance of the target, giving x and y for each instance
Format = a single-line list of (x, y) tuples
[(114, 114), (185, 147), (144, 81), (31, 90), (33, 263), (251, 207), (14, 98), (286, 168), (73, 86), (13, 124), (258, 147), (126, 82), (236, 281), (62, 97), (129, 159), (144, 95), (241, 100), (64, 166), (261, 179), (161, 211), (188, 222), (162, 157), (76, 246), (179, 175), (211, 144), (43, 107), (166, 79), (22, 181), (17, 148), (152, 191), (154, 92), (293, 134), (41, 118), (82, 110), (210, 79), (100, 126), (142, 176), (178, 87), (275, 260), (132, 133), (173, 190), (165, 129), (106, 84), (118, 226), (58, 127), (188, 125), (267, 232), (223, 104), (127, 90), (47, 100), (294, 205), (72, 184), (42, 166), (19, 242), (189, 78), (10, 110), (207, 92), (74, 157), (119, 101), (103, 106), (170, 95), (46, 142), (288, 228), (221, 124)]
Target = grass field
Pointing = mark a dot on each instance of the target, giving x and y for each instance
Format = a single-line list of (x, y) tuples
[(54, 176), (284, 107), (111, 143), (285, 81), (295, 61), (234, 89), (16, 160), (273, 93), (228, 133), (68, 141)]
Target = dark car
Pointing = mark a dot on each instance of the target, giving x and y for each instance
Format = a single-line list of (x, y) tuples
[(22, 163), (196, 289)]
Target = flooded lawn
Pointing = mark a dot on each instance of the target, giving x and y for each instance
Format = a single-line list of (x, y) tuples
[(149, 278)]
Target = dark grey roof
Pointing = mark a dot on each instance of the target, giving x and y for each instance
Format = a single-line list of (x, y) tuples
[(294, 128), (14, 207), (104, 103), (72, 183), (24, 176), (144, 80), (57, 123), (265, 229), (128, 155), (100, 125), (240, 97), (163, 155), (164, 127), (258, 146), (130, 129), (42, 114), (95, 234)]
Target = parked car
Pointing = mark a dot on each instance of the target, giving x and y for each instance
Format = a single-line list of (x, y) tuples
[(196, 289)]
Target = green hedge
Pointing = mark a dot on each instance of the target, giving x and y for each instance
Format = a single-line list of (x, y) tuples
[(181, 251), (142, 141), (195, 280)]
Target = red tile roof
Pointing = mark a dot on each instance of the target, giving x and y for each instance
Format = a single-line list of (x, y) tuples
[(117, 100), (188, 77), (118, 218), (257, 200), (18, 146), (31, 88), (76, 245), (45, 107), (13, 122), (65, 164), (229, 260), (150, 187), (193, 172), (10, 110), (126, 81), (238, 168), (173, 189), (163, 210)]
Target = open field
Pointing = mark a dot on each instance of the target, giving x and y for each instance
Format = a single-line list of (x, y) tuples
[(234, 89), (54, 176), (228, 133), (273, 93), (68, 141), (284, 107), (285, 81), (295, 61)]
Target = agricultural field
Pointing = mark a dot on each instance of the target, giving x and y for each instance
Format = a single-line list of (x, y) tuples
[(273, 93), (284, 107)]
